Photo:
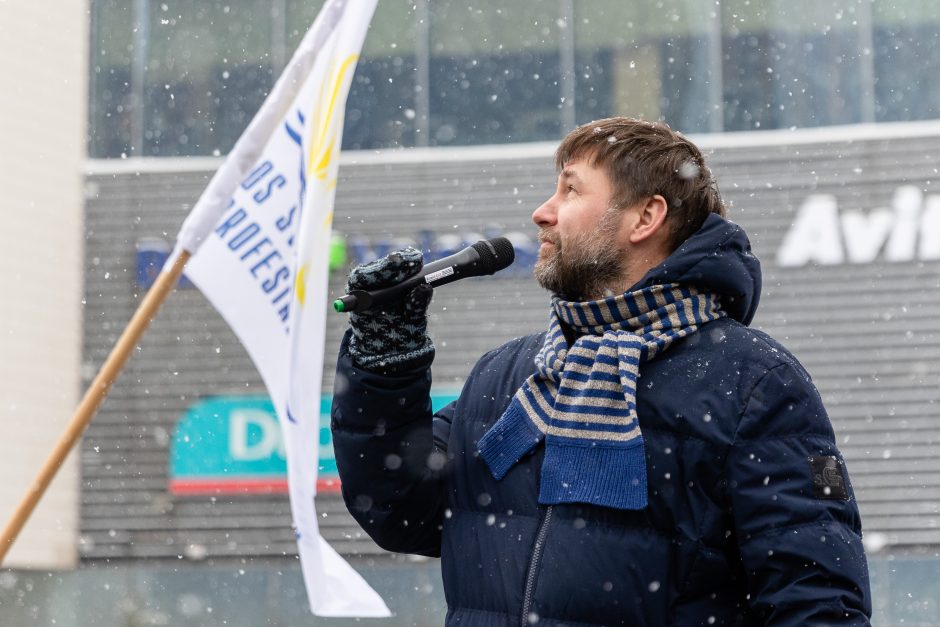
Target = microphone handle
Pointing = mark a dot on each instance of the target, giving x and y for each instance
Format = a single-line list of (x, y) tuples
[(440, 272)]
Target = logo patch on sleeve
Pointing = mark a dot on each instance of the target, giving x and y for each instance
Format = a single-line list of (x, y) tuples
[(828, 477)]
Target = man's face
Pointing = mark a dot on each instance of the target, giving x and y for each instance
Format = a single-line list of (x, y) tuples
[(583, 250)]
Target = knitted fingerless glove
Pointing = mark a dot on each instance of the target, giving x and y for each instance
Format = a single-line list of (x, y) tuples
[(391, 337)]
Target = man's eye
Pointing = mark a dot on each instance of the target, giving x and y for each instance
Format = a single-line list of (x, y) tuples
[(571, 189)]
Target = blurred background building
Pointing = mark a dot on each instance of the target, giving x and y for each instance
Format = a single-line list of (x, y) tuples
[(178, 78), (821, 122)]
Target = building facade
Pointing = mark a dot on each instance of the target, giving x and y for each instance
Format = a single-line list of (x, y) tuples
[(845, 222), (43, 130), (181, 78), (816, 116)]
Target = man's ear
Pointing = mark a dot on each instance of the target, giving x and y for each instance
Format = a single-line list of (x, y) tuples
[(650, 220)]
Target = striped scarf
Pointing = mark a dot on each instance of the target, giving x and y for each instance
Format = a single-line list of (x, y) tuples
[(582, 399)]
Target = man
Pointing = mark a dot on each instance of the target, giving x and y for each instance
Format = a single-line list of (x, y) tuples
[(647, 460)]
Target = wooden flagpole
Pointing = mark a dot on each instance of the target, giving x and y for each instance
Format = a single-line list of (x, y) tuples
[(93, 398)]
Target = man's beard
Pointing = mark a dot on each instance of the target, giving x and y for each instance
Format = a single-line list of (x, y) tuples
[(588, 266)]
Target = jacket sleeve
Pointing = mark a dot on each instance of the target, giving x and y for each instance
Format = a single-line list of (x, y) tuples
[(796, 520), (391, 455)]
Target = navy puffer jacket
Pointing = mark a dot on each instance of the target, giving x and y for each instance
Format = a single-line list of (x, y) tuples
[(751, 519)]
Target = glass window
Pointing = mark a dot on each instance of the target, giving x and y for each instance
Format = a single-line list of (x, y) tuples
[(209, 68), (184, 77), (906, 39), (381, 111), (111, 107), (648, 60), (790, 63), (494, 71)]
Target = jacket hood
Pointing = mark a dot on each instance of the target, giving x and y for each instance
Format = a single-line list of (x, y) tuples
[(716, 258)]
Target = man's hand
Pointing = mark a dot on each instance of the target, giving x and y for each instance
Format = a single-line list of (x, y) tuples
[(391, 337)]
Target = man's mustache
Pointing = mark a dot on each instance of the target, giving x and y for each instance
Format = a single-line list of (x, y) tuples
[(548, 236)]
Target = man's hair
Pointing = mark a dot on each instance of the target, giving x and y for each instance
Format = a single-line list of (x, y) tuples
[(647, 158)]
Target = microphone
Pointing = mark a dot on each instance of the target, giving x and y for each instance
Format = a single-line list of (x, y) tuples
[(484, 257)]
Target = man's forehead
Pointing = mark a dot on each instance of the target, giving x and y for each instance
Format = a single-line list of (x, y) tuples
[(586, 158), (577, 160), (577, 167)]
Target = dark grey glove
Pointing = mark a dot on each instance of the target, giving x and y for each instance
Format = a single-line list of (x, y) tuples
[(391, 337)]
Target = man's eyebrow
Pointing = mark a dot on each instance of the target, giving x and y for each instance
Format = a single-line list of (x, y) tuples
[(569, 174)]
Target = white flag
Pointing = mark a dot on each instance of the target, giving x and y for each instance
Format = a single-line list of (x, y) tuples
[(262, 230)]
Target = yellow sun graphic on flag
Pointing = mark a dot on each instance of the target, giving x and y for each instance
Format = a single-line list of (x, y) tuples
[(323, 147), (300, 285)]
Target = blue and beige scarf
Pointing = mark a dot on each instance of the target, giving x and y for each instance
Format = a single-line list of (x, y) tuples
[(582, 399)]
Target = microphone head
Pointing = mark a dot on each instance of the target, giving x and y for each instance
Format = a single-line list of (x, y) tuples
[(495, 254)]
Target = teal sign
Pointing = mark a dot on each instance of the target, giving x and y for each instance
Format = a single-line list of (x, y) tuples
[(234, 445)]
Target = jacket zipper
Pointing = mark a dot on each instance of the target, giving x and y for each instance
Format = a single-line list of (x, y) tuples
[(534, 566)]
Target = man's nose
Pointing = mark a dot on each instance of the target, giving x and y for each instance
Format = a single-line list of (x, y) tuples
[(546, 214)]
